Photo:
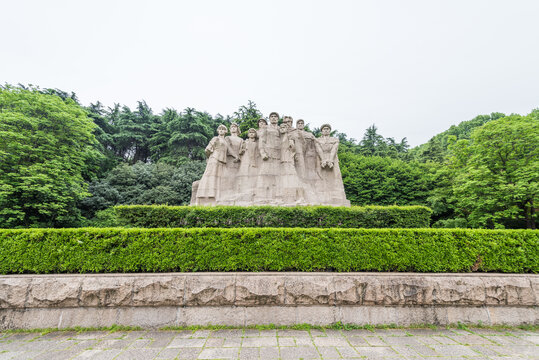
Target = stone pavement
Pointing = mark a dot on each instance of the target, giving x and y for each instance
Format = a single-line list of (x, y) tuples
[(274, 344)]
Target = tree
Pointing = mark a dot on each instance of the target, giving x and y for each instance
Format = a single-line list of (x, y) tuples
[(374, 144), (182, 137), (436, 149), (143, 183), (247, 117), (47, 150), (104, 133), (133, 132), (497, 181), (374, 180)]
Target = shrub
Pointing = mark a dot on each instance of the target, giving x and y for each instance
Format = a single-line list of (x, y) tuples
[(92, 250), (273, 216)]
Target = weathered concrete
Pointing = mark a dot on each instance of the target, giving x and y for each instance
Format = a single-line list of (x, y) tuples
[(156, 300)]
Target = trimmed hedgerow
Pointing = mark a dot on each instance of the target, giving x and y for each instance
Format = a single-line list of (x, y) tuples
[(150, 216), (92, 250)]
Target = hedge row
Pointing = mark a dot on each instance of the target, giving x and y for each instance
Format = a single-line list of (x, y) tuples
[(92, 250), (150, 216)]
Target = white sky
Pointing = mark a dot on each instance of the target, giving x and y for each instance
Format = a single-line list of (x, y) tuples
[(413, 68)]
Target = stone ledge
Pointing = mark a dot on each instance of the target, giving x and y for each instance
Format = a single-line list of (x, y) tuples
[(267, 289), (158, 317)]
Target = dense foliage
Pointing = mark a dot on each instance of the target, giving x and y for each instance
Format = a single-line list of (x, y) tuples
[(496, 179), (90, 250), (143, 183), (385, 180), (273, 216), (47, 153), (479, 173)]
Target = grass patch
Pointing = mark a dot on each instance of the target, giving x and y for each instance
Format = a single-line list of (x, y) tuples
[(305, 327)]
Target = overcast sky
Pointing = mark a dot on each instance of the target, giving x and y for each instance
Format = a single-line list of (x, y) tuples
[(413, 68)]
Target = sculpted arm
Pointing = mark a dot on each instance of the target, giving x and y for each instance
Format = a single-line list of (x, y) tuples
[(333, 153), (211, 147), (243, 147), (262, 146), (292, 147), (320, 152)]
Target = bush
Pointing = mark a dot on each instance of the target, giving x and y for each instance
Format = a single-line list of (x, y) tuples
[(272, 216), (102, 219), (92, 250)]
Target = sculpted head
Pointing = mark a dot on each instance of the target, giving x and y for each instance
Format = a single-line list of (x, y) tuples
[(262, 123), (251, 134), (274, 118), (288, 121), (300, 124), (326, 129), (283, 128), (221, 130), (234, 129)]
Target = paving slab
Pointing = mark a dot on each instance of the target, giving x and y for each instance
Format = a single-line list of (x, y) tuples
[(137, 354), (330, 341), (189, 353), (375, 341), (167, 354), (287, 341), (304, 352), (329, 352), (186, 343), (219, 353), (259, 341), (348, 352), (377, 352), (460, 350), (249, 353), (357, 341), (98, 354), (267, 353), (472, 339)]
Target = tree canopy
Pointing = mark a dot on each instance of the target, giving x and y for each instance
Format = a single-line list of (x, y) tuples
[(497, 179), (47, 155)]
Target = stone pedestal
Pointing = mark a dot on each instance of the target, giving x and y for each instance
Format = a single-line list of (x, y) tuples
[(181, 299)]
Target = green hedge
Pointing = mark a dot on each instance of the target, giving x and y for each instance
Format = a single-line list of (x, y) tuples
[(150, 216), (89, 250)]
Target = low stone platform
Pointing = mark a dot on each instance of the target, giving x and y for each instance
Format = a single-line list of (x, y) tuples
[(239, 299)]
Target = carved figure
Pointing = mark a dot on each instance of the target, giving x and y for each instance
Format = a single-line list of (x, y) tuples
[(306, 160), (248, 171), (270, 152), (291, 190), (228, 183), (331, 186), (209, 187)]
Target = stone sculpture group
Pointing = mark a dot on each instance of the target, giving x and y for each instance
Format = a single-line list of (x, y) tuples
[(275, 165)]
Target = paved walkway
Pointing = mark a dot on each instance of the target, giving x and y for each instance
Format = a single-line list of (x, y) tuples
[(274, 344)]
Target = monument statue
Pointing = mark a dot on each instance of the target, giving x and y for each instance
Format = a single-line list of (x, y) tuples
[(209, 187), (248, 171), (331, 185), (232, 166), (275, 165)]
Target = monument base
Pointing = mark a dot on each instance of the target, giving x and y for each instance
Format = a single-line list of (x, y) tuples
[(241, 299)]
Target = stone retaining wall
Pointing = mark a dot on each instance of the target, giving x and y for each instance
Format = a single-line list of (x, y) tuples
[(156, 300)]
